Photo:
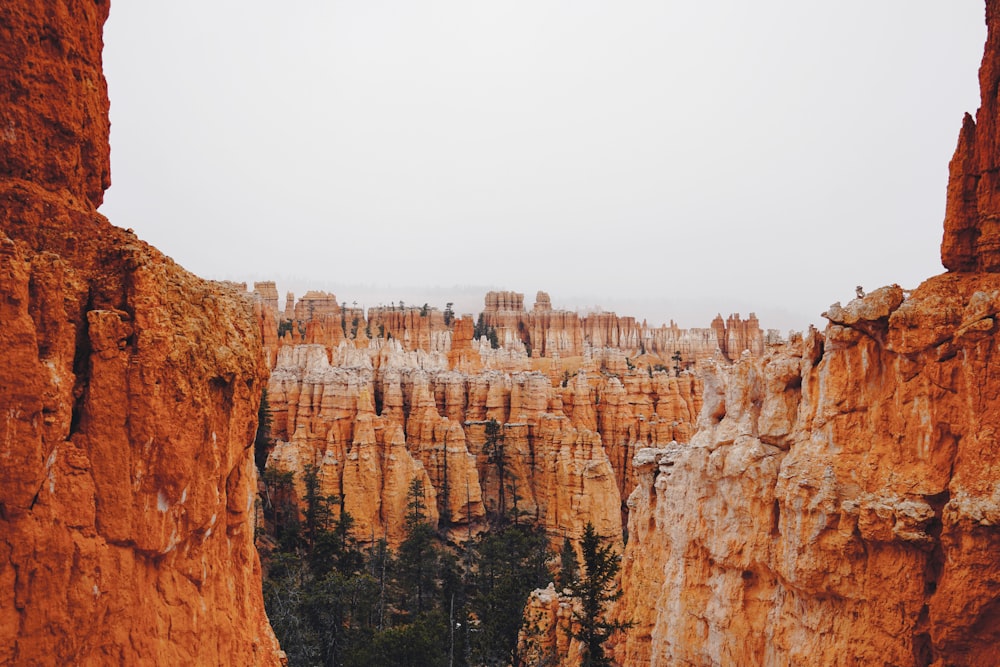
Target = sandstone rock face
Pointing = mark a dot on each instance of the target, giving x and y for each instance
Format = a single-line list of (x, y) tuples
[(387, 409), (837, 503), (972, 216), (54, 118), (128, 395)]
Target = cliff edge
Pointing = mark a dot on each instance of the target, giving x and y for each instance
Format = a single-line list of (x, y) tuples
[(839, 503), (128, 395)]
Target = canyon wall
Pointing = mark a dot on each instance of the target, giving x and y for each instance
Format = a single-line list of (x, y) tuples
[(405, 393), (128, 395), (372, 419), (838, 504)]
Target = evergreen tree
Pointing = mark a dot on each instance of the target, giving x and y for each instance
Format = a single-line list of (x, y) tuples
[(493, 447), (677, 363), (595, 588), (568, 567), (319, 510), (417, 566), (510, 563)]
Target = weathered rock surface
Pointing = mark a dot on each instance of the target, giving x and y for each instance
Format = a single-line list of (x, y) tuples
[(972, 216), (838, 502), (571, 425), (128, 395), (385, 406)]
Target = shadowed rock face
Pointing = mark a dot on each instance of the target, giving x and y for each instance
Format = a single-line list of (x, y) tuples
[(972, 218), (128, 394), (838, 503)]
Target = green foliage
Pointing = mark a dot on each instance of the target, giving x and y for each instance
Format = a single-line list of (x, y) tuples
[(565, 380), (322, 598), (332, 604), (595, 588), (415, 506), (284, 326), (280, 509), (496, 455), (416, 571), (569, 569), (449, 314), (422, 643), (511, 562), (262, 441), (424, 310), (677, 363), (628, 362), (482, 329)]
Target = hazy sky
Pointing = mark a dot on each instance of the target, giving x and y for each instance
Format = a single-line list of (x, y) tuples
[(661, 159)]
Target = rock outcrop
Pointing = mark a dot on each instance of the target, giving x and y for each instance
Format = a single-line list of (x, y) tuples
[(128, 395), (972, 216), (838, 503)]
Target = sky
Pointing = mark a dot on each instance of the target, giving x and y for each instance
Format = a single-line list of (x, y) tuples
[(666, 160)]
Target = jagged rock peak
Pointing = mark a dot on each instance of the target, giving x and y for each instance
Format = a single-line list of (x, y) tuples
[(972, 217)]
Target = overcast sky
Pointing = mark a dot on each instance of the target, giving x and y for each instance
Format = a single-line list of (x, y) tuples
[(661, 159)]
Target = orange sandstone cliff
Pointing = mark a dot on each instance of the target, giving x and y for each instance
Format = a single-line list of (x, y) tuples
[(839, 502), (128, 393)]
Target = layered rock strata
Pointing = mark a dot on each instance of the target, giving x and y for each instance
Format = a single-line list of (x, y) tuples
[(128, 395)]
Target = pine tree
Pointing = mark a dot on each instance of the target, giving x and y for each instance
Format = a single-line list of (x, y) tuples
[(569, 569), (417, 566), (496, 456), (595, 588), (510, 562)]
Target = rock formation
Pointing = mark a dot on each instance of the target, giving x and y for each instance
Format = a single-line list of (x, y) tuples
[(838, 503), (128, 395), (972, 215), (409, 372), (543, 332), (387, 407)]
